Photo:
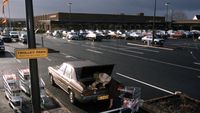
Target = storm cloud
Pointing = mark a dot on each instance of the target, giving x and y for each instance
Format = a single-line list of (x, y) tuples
[(131, 7)]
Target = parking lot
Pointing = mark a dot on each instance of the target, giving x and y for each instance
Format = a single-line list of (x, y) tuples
[(158, 70)]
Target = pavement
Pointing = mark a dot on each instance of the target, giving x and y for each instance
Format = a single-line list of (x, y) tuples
[(51, 105), (4, 106)]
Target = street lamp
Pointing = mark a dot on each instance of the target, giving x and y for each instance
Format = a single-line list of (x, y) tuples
[(167, 14), (70, 14), (154, 22)]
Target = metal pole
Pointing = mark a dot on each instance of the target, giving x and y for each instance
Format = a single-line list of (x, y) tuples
[(9, 16), (167, 15), (35, 90), (154, 22), (70, 15)]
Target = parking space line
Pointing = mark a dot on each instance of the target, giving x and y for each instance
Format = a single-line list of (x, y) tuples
[(122, 49), (48, 59), (163, 48), (94, 51), (19, 61), (63, 54), (197, 63), (68, 56), (139, 81)]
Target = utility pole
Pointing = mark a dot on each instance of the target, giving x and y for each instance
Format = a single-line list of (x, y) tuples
[(167, 14), (33, 66), (70, 14), (154, 22)]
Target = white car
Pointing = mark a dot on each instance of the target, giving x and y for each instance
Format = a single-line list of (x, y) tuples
[(149, 38), (199, 38), (23, 37), (14, 35), (72, 36)]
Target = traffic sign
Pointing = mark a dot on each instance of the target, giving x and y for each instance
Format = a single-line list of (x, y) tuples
[(31, 53)]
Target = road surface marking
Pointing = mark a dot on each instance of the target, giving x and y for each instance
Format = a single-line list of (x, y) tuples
[(68, 56), (94, 51), (122, 49), (147, 59), (143, 49), (63, 54), (197, 63), (12, 54), (164, 48), (139, 81), (19, 61), (177, 65), (21, 44), (48, 59)]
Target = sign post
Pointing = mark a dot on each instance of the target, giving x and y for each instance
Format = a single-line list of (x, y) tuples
[(33, 66)]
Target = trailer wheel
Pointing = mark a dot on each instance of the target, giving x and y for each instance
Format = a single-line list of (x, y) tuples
[(72, 98)]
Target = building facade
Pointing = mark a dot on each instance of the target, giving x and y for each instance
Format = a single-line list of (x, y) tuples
[(78, 21)]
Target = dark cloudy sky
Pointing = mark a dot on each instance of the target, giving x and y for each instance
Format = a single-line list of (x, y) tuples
[(132, 7)]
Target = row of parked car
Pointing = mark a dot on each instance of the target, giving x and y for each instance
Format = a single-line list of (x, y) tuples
[(14, 36), (145, 36), (122, 34)]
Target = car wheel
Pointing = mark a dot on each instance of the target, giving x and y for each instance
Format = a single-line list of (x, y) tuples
[(72, 97), (52, 81)]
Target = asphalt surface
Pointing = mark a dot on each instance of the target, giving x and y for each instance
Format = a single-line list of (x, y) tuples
[(158, 71)]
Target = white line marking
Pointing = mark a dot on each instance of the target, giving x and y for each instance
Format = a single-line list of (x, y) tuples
[(153, 60), (150, 46), (177, 65), (94, 51), (63, 54), (21, 44), (197, 63), (128, 47), (48, 59), (19, 61), (122, 49), (68, 56), (156, 87)]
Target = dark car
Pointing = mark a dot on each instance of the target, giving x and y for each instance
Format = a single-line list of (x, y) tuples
[(6, 38), (2, 46)]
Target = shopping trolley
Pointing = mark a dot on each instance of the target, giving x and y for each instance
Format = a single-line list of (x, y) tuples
[(130, 100)]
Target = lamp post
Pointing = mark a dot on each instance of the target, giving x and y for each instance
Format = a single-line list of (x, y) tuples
[(154, 22), (70, 14), (167, 14)]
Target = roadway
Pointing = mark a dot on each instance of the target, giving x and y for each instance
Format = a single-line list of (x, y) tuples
[(158, 71)]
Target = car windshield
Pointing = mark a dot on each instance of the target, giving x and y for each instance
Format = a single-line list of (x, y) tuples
[(14, 32)]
